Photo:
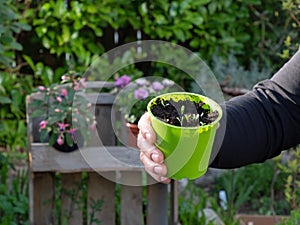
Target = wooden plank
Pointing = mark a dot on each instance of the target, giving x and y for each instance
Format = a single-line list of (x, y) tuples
[(105, 132), (42, 199), (101, 189), (174, 203), (71, 196), (100, 98), (131, 199), (110, 158), (157, 203), (99, 84)]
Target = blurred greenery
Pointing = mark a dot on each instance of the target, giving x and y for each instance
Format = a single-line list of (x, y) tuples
[(41, 40)]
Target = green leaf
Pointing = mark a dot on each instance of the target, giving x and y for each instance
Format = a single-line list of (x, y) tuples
[(1, 49), (46, 42), (38, 103), (6, 39), (38, 112), (53, 138), (47, 75), (77, 24), (5, 100), (53, 119), (6, 61), (179, 34), (65, 33), (23, 26), (69, 139), (43, 135), (30, 62), (194, 43)]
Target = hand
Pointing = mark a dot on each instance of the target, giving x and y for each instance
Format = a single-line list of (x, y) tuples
[(151, 157)]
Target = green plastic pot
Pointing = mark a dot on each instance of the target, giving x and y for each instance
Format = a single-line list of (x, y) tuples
[(187, 150)]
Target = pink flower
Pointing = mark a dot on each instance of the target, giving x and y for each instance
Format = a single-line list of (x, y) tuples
[(122, 81), (76, 85), (65, 78), (141, 93), (43, 124), (64, 93), (167, 82), (59, 99), (59, 140), (92, 127), (57, 110), (62, 126), (42, 88), (157, 86), (141, 81), (82, 82), (72, 133)]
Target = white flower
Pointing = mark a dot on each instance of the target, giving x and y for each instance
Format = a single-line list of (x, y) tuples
[(167, 82)]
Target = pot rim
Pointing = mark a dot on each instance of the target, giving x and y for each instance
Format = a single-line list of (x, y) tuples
[(213, 104)]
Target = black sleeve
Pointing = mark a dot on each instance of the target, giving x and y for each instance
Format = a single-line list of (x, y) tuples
[(261, 123)]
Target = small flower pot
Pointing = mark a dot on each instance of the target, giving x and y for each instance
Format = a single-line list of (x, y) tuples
[(132, 133), (260, 219), (187, 150), (78, 143)]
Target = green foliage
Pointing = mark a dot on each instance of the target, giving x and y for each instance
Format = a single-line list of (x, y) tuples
[(42, 72), (13, 90), (13, 194), (236, 194), (71, 34), (64, 110), (294, 218), (236, 75), (192, 22), (96, 206), (101, 68), (10, 25), (77, 196), (292, 183), (70, 29), (76, 30), (192, 200), (255, 188), (13, 135), (291, 41), (133, 96)]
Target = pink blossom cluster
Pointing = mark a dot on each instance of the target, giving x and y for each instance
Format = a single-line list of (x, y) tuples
[(145, 87), (64, 106)]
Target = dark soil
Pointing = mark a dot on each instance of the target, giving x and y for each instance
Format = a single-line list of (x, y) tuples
[(183, 113)]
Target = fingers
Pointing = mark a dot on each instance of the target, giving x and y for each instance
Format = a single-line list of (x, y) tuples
[(157, 171), (151, 157), (149, 149), (146, 139)]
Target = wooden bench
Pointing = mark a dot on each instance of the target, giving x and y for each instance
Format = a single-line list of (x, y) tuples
[(79, 188)]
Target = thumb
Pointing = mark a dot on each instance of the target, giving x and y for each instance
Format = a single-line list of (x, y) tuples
[(146, 129)]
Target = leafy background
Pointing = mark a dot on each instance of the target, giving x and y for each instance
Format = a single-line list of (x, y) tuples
[(41, 40)]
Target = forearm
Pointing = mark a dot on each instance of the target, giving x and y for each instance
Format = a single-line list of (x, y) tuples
[(263, 122)]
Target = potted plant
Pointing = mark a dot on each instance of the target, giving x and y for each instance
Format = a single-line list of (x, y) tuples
[(63, 119), (185, 125), (133, 96)]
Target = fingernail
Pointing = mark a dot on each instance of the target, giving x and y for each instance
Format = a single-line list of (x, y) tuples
[(154, 157), (157, 169)]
